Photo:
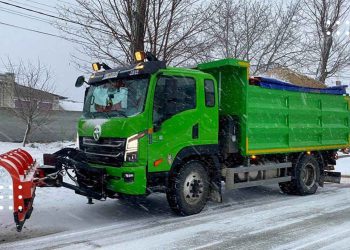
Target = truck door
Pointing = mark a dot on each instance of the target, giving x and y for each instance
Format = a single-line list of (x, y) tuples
[(175, 118)]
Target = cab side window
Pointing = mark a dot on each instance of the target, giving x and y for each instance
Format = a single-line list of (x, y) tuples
[(209, 93), (173, 95)]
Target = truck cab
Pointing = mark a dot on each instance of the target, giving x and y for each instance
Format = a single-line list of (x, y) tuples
[(141, 122)]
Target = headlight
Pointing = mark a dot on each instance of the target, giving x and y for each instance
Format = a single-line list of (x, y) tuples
[(132, 146)]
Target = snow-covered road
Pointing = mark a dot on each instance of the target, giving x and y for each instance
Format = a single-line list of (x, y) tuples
[(252, 218)]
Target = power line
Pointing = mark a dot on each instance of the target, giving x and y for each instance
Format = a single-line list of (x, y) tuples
[(32, 30), (42, 4), (56, 17), (25, 15), (64, 2), (47, 34), (25, 4)]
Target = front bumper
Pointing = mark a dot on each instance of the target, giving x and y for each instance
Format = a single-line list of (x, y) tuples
[(98, 181), (127, 180)]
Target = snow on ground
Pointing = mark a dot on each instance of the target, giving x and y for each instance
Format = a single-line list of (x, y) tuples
[(343, 164), (70, 105), (251, 218)]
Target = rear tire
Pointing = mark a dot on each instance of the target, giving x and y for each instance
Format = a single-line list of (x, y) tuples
[(306, 177), (188, 188)]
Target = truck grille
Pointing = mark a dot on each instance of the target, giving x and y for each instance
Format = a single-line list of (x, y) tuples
[(105, 151)]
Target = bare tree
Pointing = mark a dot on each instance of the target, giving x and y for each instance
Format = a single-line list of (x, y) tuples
[(328, 49), (29, 93), (257, 31), (112, 30)]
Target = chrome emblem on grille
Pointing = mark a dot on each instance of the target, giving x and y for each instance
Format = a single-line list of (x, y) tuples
[(97, 132)]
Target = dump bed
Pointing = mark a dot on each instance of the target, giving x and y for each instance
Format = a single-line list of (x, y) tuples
[(279, 121)]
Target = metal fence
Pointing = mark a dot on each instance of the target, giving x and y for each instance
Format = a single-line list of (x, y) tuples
[(61, 126)]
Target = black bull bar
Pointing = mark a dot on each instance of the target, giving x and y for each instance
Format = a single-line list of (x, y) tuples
[(88, 181)]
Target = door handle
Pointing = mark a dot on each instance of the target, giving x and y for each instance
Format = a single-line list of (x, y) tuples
[(195, 132), (150, 138)]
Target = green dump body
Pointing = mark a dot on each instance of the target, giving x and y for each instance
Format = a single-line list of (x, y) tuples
[(279, 121)]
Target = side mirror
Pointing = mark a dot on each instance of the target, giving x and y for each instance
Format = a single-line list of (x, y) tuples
[(80, 81), (86, 93)]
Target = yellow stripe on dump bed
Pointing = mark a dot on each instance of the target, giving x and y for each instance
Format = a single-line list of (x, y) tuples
[(301, 149)]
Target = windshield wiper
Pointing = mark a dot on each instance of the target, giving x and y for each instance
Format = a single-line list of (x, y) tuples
[(106, 114), (122, 113), (114, 113), (89, 115)]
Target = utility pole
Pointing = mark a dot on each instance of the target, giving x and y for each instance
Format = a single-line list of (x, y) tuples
[(139, 24)]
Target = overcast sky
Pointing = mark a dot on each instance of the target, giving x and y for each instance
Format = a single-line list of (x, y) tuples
[(54, 52)]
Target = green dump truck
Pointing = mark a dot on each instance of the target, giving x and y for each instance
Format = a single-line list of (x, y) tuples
[(150, 128)]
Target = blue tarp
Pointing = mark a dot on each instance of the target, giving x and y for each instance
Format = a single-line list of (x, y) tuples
[(271, 83)]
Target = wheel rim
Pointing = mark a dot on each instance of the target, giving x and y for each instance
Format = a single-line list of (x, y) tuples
[(193, 188), (308, 175)]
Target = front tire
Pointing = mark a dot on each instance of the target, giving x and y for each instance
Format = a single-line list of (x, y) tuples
[(306, 177), (188, 188)]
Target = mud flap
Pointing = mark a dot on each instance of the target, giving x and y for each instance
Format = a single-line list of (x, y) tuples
[(215, 194)]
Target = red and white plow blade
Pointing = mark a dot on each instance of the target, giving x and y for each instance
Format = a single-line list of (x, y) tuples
[(22, 168)]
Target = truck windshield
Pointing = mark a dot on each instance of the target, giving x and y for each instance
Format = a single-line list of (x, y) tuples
[(117, 97)]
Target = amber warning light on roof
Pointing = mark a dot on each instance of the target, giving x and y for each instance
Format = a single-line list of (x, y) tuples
[(140, 56), (96, 66)]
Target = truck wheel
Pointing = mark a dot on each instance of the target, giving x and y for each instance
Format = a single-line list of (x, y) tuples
[(188, 189), (306, 179)]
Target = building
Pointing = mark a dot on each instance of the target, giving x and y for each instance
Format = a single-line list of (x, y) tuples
[(13, 95)]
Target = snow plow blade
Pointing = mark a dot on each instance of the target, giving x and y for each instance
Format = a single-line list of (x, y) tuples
[(23, 169), (27, 174)]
